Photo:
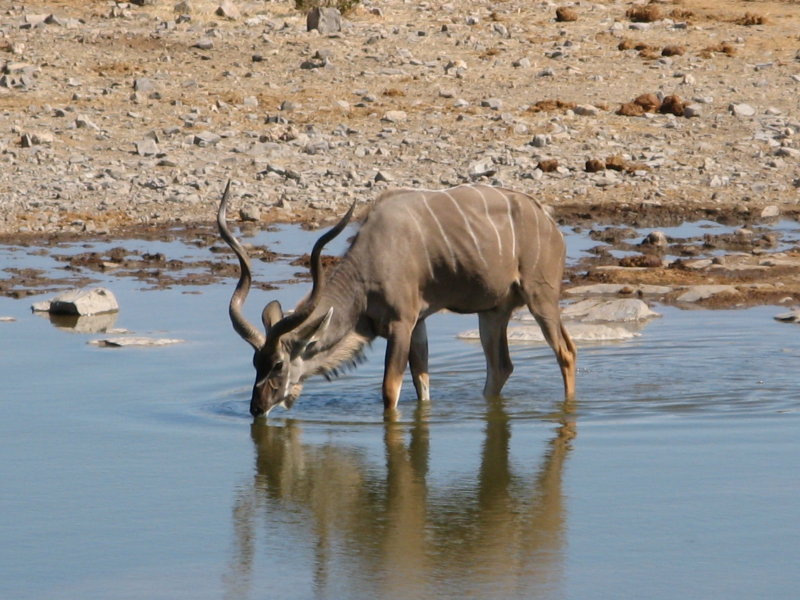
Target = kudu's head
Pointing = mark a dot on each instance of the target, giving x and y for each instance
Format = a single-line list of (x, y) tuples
[(282, 353)]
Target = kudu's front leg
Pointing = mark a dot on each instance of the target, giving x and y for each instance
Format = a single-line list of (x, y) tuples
[(418, 361), (397, 352)]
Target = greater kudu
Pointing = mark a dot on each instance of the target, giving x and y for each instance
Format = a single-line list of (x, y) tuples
[(468, 249)]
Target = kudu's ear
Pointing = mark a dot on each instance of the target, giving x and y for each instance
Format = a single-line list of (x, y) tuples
[(320, 329), (316, 332), (271, 314)]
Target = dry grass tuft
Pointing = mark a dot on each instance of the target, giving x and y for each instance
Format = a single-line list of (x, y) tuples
[(630, 109), (616, 163), (722, 48), (681, 14), (751, 19), (645, 14), (551, 106), (673, 50)]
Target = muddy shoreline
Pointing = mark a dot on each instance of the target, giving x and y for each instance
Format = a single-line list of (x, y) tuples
[(757, 259)]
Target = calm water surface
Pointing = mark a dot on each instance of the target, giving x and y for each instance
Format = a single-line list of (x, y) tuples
[(138, 473)]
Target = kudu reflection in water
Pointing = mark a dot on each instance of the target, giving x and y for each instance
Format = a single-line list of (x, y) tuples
[(402, 534)]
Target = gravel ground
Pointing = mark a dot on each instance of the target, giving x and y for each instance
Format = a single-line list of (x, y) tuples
[(114, 114)]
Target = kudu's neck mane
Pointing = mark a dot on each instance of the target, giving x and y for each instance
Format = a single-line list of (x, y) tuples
[(341, 346)]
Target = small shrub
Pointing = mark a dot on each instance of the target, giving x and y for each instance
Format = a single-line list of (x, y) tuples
[(344, 6)]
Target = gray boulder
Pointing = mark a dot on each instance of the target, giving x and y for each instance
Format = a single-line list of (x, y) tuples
[(791, 317), (91, 301), (325, 19), (623, 310)]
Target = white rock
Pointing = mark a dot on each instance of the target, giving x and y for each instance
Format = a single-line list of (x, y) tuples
[(146, 147), (695, 109), (579, 332), (770, 211), (7, 319), (586, 110), (742, 110), (91, 301), (394, 116), (228, 10), (617, 288), (790, 317), (119, 342), (622, 310), (703, 292), (325, 19)]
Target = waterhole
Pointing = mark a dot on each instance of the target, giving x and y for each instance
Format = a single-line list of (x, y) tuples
[(138, 472)]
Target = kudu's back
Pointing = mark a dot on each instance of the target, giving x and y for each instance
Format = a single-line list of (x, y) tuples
[(467, 248)]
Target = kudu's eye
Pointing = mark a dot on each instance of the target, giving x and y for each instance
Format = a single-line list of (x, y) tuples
[(277, 367)]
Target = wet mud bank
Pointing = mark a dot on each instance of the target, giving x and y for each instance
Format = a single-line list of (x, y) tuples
[(748, 260)]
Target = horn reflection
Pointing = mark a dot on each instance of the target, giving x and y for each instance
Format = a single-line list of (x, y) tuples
[(396, 531)]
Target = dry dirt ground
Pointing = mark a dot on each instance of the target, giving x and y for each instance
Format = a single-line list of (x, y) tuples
[(116, 117)]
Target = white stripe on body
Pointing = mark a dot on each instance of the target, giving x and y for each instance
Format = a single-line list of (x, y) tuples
[(421, 236), (469, 228), (489, 218), (441, 231), (510, 223), (538, 241)]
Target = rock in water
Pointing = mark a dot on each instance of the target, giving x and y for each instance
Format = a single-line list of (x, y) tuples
[(90, 301), (120, 342), (597, 310), (790, 317)]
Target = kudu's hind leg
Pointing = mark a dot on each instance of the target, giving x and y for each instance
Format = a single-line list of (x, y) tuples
[(418, 361), (547, 313), (493, 326)]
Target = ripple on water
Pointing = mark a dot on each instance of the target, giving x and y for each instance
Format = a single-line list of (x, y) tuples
[(688, 364)]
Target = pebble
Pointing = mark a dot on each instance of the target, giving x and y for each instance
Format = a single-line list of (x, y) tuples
[(742, 110), (228, 9), (692, 110), (770, 211), (394, 116), (147, 147), (586, 110)]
